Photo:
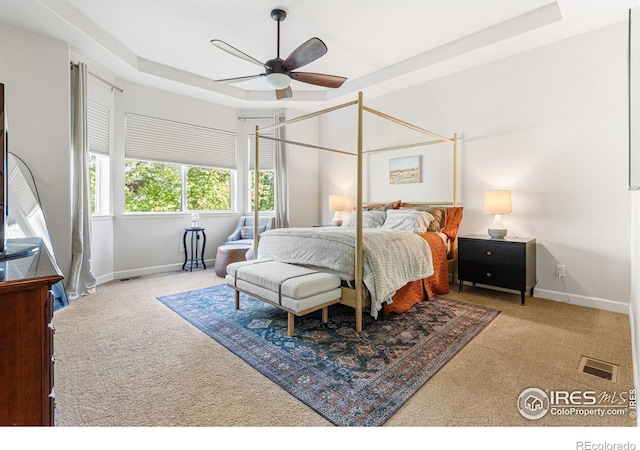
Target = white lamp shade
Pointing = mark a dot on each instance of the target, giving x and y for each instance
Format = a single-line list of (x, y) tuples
[(278, 80), (349, 203), (497, 202), (336, 203)]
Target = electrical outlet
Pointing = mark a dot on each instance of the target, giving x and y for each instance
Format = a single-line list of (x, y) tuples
[(180, 248), (561, 270)]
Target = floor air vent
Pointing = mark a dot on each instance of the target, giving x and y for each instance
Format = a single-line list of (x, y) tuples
[(598, 368), (131, 278)]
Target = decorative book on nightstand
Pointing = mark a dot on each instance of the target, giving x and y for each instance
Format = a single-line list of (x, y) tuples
[(508, 263)]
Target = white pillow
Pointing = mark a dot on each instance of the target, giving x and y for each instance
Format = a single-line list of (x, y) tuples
[(407, 220), (370, 219)]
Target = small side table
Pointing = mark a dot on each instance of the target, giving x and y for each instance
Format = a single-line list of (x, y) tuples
[(508, 263), (192, 258)]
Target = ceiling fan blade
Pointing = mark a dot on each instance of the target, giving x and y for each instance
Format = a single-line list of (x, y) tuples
[(238, 79), (311, 50), (319, 79), (284, 93), (235, 52)]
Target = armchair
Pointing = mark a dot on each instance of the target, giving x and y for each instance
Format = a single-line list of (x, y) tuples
[(243, 234)]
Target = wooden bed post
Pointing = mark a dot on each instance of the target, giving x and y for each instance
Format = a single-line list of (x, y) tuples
[(359, 262)]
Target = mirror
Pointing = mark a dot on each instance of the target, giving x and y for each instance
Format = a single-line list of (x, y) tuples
[(25, 217)]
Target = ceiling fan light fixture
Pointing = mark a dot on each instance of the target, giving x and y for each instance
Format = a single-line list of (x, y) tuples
[(278, 80)]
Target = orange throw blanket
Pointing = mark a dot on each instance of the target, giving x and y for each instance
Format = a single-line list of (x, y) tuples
[(436, 284)]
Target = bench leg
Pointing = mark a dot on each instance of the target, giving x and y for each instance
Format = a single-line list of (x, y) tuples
[(237, 298), (325, 314), (290, 324)]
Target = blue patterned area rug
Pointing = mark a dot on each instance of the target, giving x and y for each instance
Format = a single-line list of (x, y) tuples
[(350, 378)]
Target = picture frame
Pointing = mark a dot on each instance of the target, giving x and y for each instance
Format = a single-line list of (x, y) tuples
[(405, 170)]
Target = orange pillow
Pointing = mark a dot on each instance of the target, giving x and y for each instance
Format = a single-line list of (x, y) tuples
[(381, 206), (454, 217)]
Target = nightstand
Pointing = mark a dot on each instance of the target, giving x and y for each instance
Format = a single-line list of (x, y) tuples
[(508, 263)]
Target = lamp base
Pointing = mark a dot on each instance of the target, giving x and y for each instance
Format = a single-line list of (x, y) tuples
[(336, 222), (497, 233)]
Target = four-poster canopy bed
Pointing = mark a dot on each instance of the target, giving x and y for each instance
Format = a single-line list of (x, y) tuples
[(354, 295)]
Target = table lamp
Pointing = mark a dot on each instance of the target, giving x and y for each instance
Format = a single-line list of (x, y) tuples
[(336, 203), (497, 203)]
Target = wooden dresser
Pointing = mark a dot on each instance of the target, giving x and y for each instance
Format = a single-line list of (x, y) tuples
[(26, 337)]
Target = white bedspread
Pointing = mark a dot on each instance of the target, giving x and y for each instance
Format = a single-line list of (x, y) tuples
[(392, 258)]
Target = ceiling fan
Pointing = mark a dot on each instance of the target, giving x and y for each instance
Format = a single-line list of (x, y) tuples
[(279, 72)]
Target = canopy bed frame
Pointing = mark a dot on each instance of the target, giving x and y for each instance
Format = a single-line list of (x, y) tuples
[(354, 297)]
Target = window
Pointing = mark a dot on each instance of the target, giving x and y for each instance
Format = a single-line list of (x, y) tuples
[(98, 120), (266, 191), (172, 166), (266, 173), (99, 182), (208, 189), (152, 187), (160, 187)]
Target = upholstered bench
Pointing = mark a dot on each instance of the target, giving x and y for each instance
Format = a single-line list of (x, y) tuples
[(227, 254), (295, 289)]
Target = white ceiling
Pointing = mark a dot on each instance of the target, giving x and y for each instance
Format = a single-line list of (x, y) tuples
[(380, 45)]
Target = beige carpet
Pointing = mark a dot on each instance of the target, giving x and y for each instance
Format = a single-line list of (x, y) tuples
[(125, 359)]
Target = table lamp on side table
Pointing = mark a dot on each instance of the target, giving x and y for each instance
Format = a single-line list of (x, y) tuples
[(497, 203), (336, 203)]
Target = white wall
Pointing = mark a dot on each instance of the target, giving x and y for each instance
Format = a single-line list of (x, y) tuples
[(338, 131), (101, 225), (304, 175), (151, 243), (35, 71), (634, 307), (550, 125)]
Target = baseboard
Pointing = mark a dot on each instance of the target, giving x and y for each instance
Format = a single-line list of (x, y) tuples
[(154, 270), (581, 300), (102, 279)]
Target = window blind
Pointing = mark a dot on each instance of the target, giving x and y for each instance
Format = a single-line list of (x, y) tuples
[(266, 153), (166, 141), (98, 128)]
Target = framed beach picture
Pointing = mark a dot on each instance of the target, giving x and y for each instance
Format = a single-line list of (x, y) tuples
[(404, 170)]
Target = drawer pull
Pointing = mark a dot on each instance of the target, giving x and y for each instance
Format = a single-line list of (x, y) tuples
[(488, 274), (488, 252)]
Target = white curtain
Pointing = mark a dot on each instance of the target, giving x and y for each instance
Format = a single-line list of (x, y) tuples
[(281, 194), (82, 281)]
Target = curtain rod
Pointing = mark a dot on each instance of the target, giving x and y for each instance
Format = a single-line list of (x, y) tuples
[(113, 86)]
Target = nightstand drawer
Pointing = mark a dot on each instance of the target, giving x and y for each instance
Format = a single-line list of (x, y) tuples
[(486, 252), (493, 275)]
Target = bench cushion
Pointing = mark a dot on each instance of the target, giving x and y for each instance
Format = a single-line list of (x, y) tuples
[(301, 288)]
